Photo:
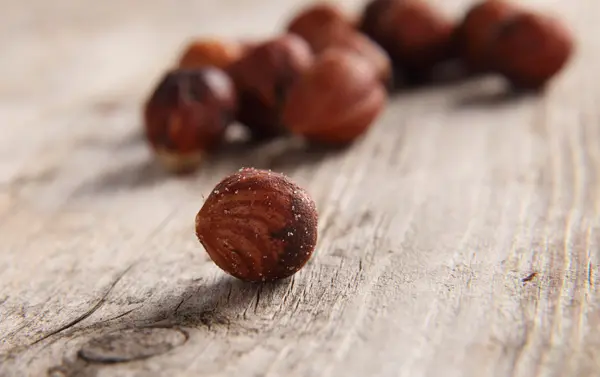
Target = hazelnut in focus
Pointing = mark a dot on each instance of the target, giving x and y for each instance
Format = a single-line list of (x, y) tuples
[(187, 114), (263, 77), (336, 100), (479, 27), (415, 36), (258, 226), (530, 49)]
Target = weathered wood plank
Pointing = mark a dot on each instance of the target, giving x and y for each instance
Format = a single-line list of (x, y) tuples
[(459, 238)]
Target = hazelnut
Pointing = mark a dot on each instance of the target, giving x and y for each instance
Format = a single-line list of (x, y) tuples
[(336, 100), (358, 43), (258, 225), (317, 19), (478, 29), (187, 114), (414, 35), (262, 78), (530, 49), (202, 53), (342, 36)]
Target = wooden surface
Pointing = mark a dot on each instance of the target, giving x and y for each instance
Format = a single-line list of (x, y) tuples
[(459, 238)]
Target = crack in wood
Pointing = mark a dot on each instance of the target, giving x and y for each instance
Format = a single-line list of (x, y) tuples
[(88, 313), (179, 306), (258, 291), (120, 315)]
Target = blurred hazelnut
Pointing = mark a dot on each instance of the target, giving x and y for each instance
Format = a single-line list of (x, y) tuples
[(375, 20), (336, 100), (313, 21), (353, 41), (364, 47), (324, 25), (477, 30), (262, 78), (187, 114), (203, 53), (415, 36), (530, 49)]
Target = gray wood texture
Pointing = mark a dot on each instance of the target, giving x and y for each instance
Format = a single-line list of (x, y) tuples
[(459, 238)]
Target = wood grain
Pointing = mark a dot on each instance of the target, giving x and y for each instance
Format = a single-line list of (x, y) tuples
[(459, 238)]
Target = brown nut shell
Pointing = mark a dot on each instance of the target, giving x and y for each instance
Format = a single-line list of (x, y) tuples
[(311, 22), (414, 35), (530, 49), (353, 41), (365, 48), (210, 53), (375, 20), (187, 114), (263, 77), (478, 29), (258, 225), (324, 25), (336, 101)]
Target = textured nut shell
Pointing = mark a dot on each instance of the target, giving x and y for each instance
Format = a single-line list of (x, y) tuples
[(263, 76), (414, 35), (478, 29), (337, 99), (258, 226), (188, 113), (530, 49), (203, 53), (315, 20)]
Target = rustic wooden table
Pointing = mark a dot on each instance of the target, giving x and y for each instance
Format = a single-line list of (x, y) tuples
[(459, 238)]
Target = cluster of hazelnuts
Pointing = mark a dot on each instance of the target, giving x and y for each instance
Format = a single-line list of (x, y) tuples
[(328, 76), (326, 79)]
